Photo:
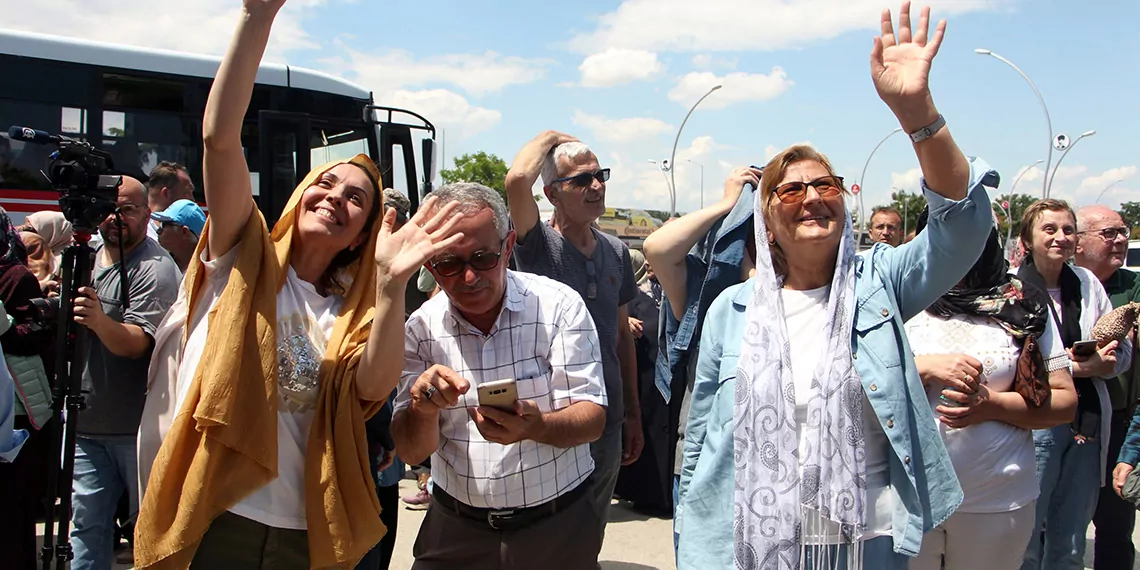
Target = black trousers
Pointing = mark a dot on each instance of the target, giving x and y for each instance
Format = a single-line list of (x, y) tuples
[(381, 555), (234, 542), (1114, 518)]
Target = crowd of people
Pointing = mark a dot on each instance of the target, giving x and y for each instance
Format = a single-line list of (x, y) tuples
[(254, 393)]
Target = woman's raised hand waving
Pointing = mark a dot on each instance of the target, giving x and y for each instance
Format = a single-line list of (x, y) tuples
[(263, 7), (900, 67), (400, 254)]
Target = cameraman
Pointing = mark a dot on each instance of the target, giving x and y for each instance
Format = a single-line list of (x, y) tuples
[(114, 378)]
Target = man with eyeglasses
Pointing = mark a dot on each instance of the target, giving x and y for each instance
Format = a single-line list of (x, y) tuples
[(1102, 244), (886, 226), (597, 265), (511, 484), (115, 372)]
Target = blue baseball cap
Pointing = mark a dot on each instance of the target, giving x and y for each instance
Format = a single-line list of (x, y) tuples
[(184, 213)]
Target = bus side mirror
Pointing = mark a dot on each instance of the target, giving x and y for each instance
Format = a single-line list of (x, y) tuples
[(431, 168)]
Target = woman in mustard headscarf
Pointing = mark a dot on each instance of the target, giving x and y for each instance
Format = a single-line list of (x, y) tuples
[(252, 445)]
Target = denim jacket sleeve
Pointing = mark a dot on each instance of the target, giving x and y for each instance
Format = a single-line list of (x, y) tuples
[(1130, 451), (923, 269)]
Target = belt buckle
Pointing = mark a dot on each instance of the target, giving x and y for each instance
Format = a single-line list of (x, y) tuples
[(494, 518)]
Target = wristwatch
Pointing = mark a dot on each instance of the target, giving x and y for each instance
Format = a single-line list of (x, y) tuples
[(928, 131)]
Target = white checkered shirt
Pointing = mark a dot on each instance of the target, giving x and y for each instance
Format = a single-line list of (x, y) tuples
[(546, 340)]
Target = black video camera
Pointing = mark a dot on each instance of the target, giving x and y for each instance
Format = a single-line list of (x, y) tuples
[(81, 175)]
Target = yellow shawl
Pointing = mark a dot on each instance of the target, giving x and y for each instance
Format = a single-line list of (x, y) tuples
[(222, 444)]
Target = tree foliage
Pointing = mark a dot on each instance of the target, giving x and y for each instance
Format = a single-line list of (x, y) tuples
[(1018, 205), (1130, 211), (486, 169)]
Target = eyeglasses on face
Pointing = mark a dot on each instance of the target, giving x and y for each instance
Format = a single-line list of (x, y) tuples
[(795, 192), (584, 179), (479, 261), (1109, 234)]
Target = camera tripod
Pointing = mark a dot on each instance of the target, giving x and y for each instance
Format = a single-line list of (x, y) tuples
[(67, 394)]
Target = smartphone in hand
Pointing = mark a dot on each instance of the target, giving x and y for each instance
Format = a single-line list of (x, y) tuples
[(1084, 348), (500, 394)]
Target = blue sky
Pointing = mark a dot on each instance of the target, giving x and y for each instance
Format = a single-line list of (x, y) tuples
[(621, 75)]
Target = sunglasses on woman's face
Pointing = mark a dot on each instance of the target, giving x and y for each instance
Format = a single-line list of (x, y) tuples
[(584, 179), (796, 192), (480, 261)]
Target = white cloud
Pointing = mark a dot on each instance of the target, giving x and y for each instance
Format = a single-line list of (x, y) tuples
[(201, 26), (910, 181), (621, 130), (477, 74), (619, 66), (743, 25), (737, 88), (704, 61), (1110, 187), (447, 109)]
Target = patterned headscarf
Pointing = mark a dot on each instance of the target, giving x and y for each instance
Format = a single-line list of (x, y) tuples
[(12, 248)]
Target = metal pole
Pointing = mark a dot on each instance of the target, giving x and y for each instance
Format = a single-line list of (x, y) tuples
[(702, 180), (862, 177), (1052, 175), (1048, 121), (663, 168), (673, 155), (1106, 189)]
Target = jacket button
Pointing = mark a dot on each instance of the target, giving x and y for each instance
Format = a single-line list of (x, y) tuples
[(906, 460), (874, 387), (854, 356), (886, 312), (890, 423)]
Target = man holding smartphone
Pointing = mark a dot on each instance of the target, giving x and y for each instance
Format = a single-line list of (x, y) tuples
[(503, 388)]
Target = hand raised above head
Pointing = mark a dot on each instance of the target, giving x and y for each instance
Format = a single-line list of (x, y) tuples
[(400, 254), (263, 7), (900, 67)]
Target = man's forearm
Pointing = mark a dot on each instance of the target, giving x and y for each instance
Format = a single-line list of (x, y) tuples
[(627, 356), (122, 339), (416, 435), (578, 424)]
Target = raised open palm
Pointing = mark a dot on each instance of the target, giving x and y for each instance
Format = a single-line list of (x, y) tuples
[(900, 63), (400, 254), (263, 6)]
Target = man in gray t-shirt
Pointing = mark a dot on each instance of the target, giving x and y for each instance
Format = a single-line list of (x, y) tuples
[(571, 250), (115, 371)]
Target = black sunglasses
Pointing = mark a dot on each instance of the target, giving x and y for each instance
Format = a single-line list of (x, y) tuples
[(584, 179), (480, 261), (1109, 234), (795, 192)]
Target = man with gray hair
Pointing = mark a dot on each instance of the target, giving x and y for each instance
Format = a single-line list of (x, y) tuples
[(1102, 244), (597, 265), (512, 475)]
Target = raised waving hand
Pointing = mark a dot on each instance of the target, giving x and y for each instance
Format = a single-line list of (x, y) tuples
[(401, 253), (900, 64)]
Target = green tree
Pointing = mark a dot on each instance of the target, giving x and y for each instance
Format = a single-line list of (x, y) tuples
[(486, 169), (1130, 211)]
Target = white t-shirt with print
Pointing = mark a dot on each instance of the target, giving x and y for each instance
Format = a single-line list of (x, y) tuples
[(305, 321), (805, 316), (995, 461)]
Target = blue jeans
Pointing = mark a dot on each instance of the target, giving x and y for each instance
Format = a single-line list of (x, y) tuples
[(105, 468), (1070, 480)]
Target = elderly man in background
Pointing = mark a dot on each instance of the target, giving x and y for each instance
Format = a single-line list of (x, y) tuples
[(1101, 248), (572, 250), (512, 478)]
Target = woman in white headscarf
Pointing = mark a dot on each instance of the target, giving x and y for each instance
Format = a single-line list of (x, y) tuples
[(809, 440), (45, 234)]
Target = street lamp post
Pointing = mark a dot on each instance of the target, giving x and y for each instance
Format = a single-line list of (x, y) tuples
[(673, 155), (862, 181), (663, 166), (702, 180), (1012, 191), (1048, 121), (1049, 186), (1101, 195)]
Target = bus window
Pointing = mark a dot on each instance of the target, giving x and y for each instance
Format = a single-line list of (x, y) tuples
[(21, 163), (399, 172), (139, 141), (332, 143)]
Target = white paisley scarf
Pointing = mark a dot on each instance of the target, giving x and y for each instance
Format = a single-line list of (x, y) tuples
[(775, 501)]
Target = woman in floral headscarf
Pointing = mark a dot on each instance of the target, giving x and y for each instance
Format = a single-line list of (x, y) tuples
[(809, 441)]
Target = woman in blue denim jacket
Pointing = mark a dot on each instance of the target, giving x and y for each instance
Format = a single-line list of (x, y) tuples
[(825, 453)]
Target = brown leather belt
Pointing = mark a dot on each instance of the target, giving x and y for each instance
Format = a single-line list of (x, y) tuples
[(510, 519)]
